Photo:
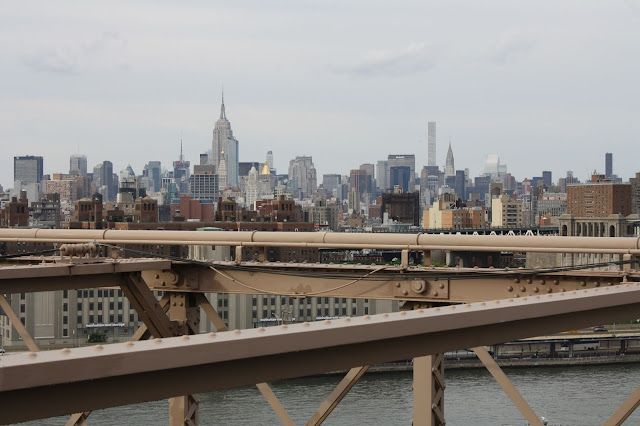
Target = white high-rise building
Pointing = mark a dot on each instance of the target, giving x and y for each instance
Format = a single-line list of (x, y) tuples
[(431, 144), (449, 168), (303, 175), (223, 140)]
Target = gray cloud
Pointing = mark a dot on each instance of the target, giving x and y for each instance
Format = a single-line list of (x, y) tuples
[(512, 50), (69, 59), (414, 58)]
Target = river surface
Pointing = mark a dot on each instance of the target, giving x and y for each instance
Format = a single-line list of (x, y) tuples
[(564, 395)]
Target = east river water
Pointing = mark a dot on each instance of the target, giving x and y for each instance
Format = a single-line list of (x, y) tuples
[(564, 395)]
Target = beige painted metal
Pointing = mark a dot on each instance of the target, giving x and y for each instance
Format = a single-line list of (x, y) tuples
[(264, 388), (183, 410), (506, 385), (428, 390), (619, 245), (17, 324), (57, 382), (79, 419), (626, 409), (211, 312), (147, 306), (367, 281), (275, 404), (337, 395)]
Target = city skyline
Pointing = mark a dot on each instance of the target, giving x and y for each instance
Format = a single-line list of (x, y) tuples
[(89, 82)]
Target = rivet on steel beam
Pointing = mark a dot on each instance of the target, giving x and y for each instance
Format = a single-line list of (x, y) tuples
[(609, 283), (517, 295), (441, 286), (163, 283), (522, 289), (583, 283), (405, 292), (98, 348), (157, 276), (367, 317), (436, 309), (305, 324), (542, 282), (556, 282), (535, 289), (549, 289), (403, 313), (327, 322), (212, 334), (236, 332), (421, 311), (517, 280), (525, 298), (128, 344), (397, 285), (529, 280), (563, 290), (452, 307), (185, 337), (32, 355), (346, 320), (157, 341), (435, 294), (283, 326), (65, 351), (510, 288), (597, 283)]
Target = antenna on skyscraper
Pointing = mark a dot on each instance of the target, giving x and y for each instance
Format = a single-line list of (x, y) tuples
[(181, 157)]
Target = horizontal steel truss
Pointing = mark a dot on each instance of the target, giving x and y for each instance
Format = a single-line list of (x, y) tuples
[(309, 280), (46, 384), (611, 245)]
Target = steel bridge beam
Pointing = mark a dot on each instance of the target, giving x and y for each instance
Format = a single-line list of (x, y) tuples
[(72, 380)]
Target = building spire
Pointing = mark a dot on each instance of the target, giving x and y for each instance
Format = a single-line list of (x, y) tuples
[(223, 115)]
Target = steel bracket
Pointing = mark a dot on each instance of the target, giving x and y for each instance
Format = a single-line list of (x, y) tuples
[(413, 289), (170, 279)]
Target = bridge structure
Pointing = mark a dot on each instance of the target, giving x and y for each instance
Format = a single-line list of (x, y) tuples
[(444, 309)]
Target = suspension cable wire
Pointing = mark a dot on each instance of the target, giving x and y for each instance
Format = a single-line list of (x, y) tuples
[(31, 253)]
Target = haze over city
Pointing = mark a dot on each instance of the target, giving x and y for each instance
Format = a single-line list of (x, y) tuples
[(546, 86)]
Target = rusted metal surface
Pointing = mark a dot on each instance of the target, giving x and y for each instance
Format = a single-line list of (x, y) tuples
[(54, 383), (506, 385), (618, 245)]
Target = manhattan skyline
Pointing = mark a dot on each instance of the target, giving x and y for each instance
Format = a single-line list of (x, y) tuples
[(546, 87)]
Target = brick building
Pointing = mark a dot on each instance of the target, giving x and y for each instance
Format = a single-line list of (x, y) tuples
[(599, 198)]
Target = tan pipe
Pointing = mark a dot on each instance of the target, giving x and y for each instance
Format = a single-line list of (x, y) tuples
[(613, 245)]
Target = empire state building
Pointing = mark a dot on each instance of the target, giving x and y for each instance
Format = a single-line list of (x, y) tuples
[(225, 144)]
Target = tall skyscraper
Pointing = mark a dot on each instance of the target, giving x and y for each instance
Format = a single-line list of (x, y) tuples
[(104, 182), (608, 165), (78, 165), (27, 169), (431, 159), (223, 140), (449, 168), (382, 175), (302, 174), (270, 160)]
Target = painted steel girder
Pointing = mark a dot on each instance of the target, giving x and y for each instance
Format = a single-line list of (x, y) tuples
[(457, 285), (72, 380)]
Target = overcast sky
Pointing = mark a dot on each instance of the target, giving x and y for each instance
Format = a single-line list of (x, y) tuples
[(545, 85)]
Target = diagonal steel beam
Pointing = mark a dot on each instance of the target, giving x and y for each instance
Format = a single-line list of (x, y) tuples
[(264, 388), (147, 306), (625, 410), (338, 394), (506, 385), (142, 333), (17, 324), (53, 383)]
